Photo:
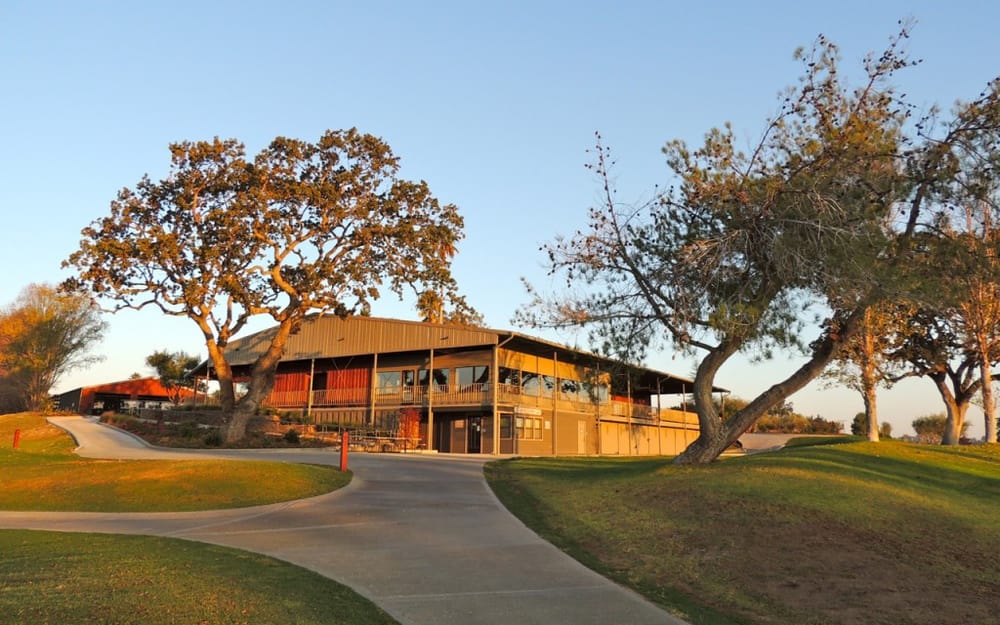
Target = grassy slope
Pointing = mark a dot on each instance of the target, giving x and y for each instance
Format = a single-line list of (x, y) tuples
[(48, 577), (43, 474), (848, 534)]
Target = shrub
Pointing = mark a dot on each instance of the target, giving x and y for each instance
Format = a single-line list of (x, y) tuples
[(292, 436), (188, 429), (213, 438)]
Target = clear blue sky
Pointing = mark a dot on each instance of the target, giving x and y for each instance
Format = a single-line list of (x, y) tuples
[(494, 105)]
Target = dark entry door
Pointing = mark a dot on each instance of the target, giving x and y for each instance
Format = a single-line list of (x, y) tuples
[(475, 435)]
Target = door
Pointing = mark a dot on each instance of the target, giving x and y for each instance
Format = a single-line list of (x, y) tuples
[(474, 431)]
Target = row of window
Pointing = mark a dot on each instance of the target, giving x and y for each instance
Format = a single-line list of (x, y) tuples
[(524, 382), (528, 428), (388, 381), (538, 385)]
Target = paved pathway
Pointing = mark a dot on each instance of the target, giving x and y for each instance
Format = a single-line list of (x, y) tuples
[(421, 536)]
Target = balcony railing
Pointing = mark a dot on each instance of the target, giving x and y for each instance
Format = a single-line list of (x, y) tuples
[(479, 394), (443, 395)]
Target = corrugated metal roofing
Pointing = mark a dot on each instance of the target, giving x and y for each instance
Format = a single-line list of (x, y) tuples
[(329, 336)]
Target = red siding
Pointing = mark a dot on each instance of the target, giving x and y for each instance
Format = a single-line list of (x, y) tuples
[(348, 385), (284, 382)]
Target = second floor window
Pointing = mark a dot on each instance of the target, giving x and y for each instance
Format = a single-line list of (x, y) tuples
[(389, 381), (467, 376)]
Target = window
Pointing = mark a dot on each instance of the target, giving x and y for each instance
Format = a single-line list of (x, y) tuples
[(594, 393), (510, 377), (530, 383), (467, 376), (529, 428), (440, 379), (570, 389), (509, 380), (389, 381), (548, 385)]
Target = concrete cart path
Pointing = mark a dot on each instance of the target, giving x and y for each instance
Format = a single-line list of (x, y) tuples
[(421, 536)]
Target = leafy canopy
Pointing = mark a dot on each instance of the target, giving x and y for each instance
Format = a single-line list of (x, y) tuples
[(43, 335), (173, 370), (301, 227)]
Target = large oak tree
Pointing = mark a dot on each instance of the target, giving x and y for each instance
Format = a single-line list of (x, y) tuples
[(299, 228)]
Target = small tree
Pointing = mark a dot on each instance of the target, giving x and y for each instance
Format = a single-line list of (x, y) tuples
[(933, 347), (43, 335), (300, 228), (932, 429), (173, 369), (863, 363), (859, 426)]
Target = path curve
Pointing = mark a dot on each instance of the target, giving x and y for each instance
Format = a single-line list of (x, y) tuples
[(421, 536)]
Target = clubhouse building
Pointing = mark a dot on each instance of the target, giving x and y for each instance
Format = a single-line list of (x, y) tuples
[(463, 389)]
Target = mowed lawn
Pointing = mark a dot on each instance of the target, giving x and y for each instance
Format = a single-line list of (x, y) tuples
[(857, 533), (50, 577), (44, 474)]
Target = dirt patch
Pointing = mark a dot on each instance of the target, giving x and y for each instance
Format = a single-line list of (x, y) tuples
[(775, 567)]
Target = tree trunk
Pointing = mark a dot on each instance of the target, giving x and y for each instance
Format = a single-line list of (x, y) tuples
[(227, 393), (37, 392), (953, 426), (245, 409), (989, 404), (868, 376), (711, 438), (717, 435), (954, 410), (260, 384), (871, 411)]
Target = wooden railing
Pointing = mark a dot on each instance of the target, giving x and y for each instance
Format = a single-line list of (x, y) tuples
[(479, 394), (444, 395)]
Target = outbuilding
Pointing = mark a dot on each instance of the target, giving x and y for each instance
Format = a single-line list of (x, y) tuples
[(124, 396)]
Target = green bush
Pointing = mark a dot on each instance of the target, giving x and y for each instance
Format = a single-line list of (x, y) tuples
[(213, 438), (188, 429), (292, 436)]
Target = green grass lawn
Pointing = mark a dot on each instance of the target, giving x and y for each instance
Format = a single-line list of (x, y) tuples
[(857, 533), (50, 577), (91, 579), (44, 474)]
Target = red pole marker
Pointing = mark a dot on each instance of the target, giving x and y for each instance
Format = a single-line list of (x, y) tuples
[(17, 438), (344, 443)]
